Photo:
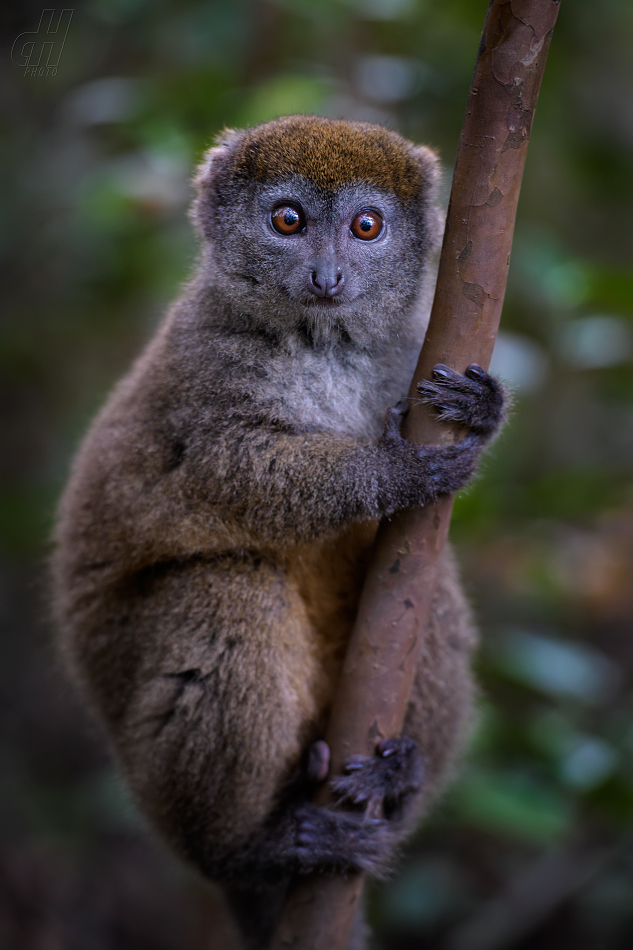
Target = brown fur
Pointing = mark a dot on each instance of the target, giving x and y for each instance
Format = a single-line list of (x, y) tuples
[(214, 533), (329, 153)]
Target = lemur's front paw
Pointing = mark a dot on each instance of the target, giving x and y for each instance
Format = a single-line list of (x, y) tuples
[(475, 400), (390, 777), (339, 841)]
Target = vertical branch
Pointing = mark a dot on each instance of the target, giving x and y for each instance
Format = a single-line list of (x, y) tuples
[(381, 660)]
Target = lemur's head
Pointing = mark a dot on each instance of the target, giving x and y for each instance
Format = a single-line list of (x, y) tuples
[(319, 221)]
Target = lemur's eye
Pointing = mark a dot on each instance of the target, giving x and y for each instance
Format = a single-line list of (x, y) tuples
[(367, 226), (287, 220)]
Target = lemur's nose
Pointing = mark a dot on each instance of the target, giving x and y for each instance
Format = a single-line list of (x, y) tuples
[(326, 279)]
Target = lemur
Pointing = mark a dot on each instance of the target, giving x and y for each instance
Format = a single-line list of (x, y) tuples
[(214, 534)]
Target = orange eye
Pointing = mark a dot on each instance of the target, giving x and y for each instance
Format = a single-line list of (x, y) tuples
[(287, 220), (367, 226)]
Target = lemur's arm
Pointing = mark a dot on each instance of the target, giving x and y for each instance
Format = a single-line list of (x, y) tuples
[(282, 484)]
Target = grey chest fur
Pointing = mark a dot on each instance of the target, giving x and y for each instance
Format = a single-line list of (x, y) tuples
[(345, 393)]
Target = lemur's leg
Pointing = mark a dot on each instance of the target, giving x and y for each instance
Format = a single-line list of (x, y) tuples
[(222, 684)]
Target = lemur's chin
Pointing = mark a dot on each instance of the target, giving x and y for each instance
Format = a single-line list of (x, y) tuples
[(324, 303)]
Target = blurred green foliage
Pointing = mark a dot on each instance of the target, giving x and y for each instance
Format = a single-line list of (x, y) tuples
[(95, 163)]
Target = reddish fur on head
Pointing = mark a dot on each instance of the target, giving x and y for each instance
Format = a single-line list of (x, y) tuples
[(330, 153)]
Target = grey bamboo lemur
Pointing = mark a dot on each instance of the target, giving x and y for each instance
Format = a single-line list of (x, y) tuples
[(213, 537)]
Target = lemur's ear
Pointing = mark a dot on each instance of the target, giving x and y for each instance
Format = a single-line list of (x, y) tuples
[(207, 171), (430, 167), (431, 174), (224, 146)]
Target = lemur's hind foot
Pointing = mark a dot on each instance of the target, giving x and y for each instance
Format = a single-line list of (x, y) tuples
[(390, 778)]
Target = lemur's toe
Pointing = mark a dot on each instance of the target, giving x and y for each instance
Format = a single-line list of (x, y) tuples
[(393, 421), (318, 763), (439, 371), (475, 371)]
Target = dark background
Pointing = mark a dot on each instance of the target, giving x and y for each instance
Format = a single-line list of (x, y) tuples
[(533, 846)]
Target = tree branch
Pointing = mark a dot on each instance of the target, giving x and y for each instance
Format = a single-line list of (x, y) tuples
[(381, 660)]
